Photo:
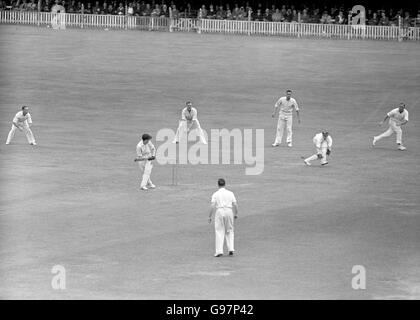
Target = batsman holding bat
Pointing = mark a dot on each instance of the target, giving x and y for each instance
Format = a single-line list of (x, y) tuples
[(146, 153), (188, 122), (323, 144)]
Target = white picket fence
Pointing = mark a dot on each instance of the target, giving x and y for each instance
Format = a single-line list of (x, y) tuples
[(211, 26)]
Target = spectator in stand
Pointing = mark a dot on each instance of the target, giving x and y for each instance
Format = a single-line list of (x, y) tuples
[(221, 13), (235, 12), (267, 15), (340, 19), (416, 21), (156, 11), (241, 14), (315, 18), (211, 14), (147, 11), (164, 12), (383, 21), (304, 17), (130, 9), (96, 8), (120, 10), (203, 12), (407, 20), (295, 16), (326, 18), (229, 15), (88, 8), (175, 12), (57, 7), (110, 9), (276, 16), (374, 20), (104, 9), (32, 6), (71, 7), (258, 16), (137, 12), (79, 7)]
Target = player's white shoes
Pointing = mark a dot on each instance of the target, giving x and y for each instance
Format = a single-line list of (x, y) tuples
[(289, 144), (307, 162), (323, 164), (151, 186), (401, 147), (275, 144), (144, 188), (7, 143), (33, 143), (374, 141)]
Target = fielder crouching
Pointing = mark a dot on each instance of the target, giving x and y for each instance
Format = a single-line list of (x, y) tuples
[(323, 144), (146, 153)]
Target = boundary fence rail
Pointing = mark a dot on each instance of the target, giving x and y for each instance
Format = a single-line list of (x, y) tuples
[(290, 29)]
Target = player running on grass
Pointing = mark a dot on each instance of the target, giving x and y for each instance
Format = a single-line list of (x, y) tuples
[(397, 118), (146, 153), (188, 122), (23, 122), (323, 144), (286, 105)]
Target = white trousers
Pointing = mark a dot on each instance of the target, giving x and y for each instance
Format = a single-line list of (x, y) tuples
[(223, 226), (392, 128), (322, 151), (146, 171), (185, 127), (28, 132), (284, 122)]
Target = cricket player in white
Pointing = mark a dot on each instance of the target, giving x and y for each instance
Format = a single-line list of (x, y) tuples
[(397, 118), (286, 105), (224, 203), (323, 144), (146, 153), (23, 122), (188, 122)]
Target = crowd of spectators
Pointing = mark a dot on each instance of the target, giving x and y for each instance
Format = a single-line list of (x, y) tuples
[(276, 13)]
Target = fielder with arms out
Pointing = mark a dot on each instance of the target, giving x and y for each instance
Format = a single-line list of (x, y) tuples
[(146, 153), (188, 122), (397, 118)]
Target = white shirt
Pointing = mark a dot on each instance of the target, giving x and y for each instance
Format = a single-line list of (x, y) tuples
[(319, 139), (192, 113), (287, 106), (19, 117), (145, 150), (223, 198), (397, 117)]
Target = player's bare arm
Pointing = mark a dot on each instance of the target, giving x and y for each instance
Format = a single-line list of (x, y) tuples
[(235, 209), (275, 111), (383, 121), (17, 126), (298, 116), (212, 209)]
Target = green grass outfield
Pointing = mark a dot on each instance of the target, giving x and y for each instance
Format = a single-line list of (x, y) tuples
[(74, 199)]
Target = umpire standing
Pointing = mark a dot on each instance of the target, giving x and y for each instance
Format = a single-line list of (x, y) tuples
[(224, 203)]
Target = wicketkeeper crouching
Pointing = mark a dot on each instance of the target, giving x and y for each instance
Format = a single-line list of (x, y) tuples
[(146, 153), (323, 144)]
